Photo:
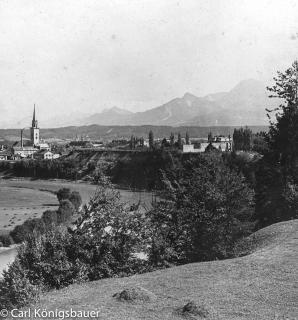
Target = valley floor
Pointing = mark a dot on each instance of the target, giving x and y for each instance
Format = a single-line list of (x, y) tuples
[(261, 285)]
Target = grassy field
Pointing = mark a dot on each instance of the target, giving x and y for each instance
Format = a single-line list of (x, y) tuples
[(262, 285), (18, 204), (22, 199)]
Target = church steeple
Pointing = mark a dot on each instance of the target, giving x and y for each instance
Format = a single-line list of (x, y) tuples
[(34, 130), (34, 121)]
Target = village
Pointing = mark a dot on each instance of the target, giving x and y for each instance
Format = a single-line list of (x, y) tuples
[(39, 149)]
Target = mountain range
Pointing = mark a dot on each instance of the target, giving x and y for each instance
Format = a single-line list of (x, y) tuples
[(243, 105)]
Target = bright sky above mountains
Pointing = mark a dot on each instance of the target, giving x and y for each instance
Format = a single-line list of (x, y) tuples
[(86, 55)]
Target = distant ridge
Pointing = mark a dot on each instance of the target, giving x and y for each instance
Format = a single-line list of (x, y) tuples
[(243, 105), (97, 132)]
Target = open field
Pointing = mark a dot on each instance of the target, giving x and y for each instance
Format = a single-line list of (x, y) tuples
[(86, 190), (19, 204), (262, 285), (22, 199)]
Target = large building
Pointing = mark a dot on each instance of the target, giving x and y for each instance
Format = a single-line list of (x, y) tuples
[(220, 143), (25, 148)]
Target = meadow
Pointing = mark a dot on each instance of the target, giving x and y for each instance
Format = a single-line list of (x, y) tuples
[(21, 199), (261, 285)]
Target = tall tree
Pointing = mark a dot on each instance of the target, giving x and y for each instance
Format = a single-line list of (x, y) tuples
[(179, 141), (172, 139), (277, 177), (151, 139), (283, 133), (187, 140)]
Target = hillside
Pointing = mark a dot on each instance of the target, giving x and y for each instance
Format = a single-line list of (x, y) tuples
[(261, 285)]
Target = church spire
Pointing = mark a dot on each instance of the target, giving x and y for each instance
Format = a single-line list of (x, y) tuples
[(34, 121)]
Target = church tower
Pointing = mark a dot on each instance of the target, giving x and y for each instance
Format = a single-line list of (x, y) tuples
[(34, 130)]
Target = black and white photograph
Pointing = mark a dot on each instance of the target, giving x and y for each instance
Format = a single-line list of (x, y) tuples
[(149, 159)]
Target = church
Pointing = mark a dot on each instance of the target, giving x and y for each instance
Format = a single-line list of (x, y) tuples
[(27, 148)]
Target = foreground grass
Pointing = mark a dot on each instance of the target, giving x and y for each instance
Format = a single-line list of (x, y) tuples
[(261, 285)]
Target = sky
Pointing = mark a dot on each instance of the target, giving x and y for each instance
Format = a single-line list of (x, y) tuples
[(76, 57)]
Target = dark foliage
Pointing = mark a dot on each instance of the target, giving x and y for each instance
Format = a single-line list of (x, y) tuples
[(242, 139), (76, 199), (63, 194), (207, 207), (277, 182), (65, 211), (6, 240), (21, 232)]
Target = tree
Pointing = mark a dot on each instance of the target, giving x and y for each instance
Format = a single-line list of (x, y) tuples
[(172, 139), (210, 137), (283, 132), (164, 143), (242, 139), (179, 141), (65, 211), (276, 186), (187, 141), (151, 139), (206, 208), (49, 218), (63, 194), (75, 199), (132, 142)]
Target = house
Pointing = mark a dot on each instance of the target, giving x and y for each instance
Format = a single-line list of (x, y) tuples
[(5, 155), (44, 155), (190, 148)]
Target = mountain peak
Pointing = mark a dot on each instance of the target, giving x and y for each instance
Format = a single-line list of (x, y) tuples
[(188, 95), (249, 84), (116, 110)]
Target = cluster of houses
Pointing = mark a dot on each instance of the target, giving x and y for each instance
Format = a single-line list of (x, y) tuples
[(220, 143), (34, 148)]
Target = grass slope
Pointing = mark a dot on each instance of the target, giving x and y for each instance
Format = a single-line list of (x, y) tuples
[(261, 285)]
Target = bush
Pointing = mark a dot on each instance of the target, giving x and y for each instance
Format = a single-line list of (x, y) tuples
[(21, 232), (5, 240), (65, 211), (63, 194), (50, 218), (108, 235), (48, 260), (16, 291), (75, 199)]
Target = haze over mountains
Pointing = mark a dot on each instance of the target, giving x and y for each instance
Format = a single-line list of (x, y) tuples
[(243, 105)]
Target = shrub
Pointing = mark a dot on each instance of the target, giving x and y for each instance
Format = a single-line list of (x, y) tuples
[(21, 232), (16, 290), (65, 211), (50, 218), (6, 240), (108, 235), (75, 199), (48, 260), (63, 194)]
